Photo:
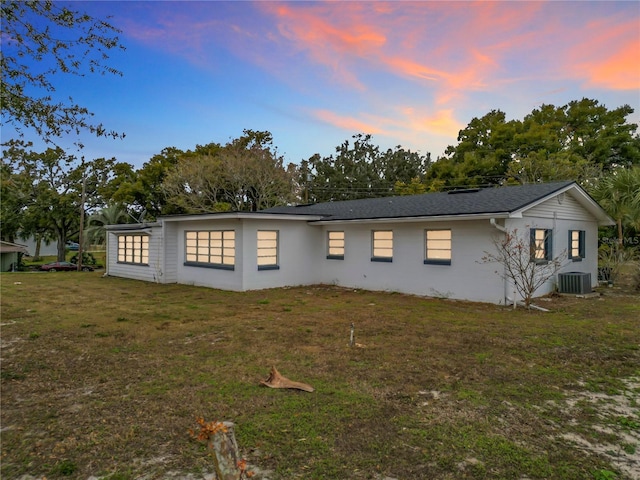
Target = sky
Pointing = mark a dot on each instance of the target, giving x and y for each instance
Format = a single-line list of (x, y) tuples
[(411, 74)]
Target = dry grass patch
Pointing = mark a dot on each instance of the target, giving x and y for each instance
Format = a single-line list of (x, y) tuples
[(105, 376)]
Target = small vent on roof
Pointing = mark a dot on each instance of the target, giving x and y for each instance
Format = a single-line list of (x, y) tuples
[(463, 190), (304, 204)]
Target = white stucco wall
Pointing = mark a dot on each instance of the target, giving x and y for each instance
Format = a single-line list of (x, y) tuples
[(302, 253), (466, 278), (203, 275), (299, 244)]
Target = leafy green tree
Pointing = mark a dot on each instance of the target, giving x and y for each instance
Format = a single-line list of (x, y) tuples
[(360, 170), (577, 141), (245, 174), (619, 194), (482, 155), (415, 187), (50, 191), (42, 42), (142, 190), (12, 201), (110, 215)]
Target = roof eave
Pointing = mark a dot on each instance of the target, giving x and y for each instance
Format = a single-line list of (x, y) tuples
[(131, 227), (414, 219), (239, 216), (587, 202)]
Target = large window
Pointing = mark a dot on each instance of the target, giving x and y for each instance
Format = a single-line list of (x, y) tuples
[(267, 249), (382, 246), (212, 248), (576, 245), (335, 245), (437, 247), (541, 245), (133, 249)]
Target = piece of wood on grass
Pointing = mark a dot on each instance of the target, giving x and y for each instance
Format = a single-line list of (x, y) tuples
[(275, 380), (225, 453)]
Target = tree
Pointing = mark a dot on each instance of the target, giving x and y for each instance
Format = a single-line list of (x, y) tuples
[(110, 215), (576, 141), (246, 174), (516, 255), (41, 42), (12, 202), (619, 194), (49, 191), (482, 156), (360, 170), (142, 190)]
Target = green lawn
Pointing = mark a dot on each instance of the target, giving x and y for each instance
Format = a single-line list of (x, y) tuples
[(105, 377)]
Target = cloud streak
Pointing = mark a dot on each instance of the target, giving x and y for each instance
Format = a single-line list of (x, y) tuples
[(406, 69)]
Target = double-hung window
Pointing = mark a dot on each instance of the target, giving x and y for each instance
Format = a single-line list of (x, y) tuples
[(211, 248), (382, 246), (335, 245), (268, 249), (437, 247), (576, 245), (541, 245), (133, 249)]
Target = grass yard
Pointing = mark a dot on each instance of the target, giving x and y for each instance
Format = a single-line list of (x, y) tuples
[(105, 376)]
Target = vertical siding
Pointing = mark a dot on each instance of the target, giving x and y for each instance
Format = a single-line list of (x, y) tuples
[(170, 240)]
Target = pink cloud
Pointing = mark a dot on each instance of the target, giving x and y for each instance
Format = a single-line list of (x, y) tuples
[(346, 122), (608, 57)]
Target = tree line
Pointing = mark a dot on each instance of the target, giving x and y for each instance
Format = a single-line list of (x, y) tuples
[(44, 194), (581, 141)]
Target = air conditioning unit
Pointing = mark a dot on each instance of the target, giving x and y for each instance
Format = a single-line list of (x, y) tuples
[(574, 282)]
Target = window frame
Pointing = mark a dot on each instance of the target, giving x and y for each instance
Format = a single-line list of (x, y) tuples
[(375, 247), (580, 245), (437, 261), (335, 243), (259, 248), (136, 253), (544, 245), (208, 246)]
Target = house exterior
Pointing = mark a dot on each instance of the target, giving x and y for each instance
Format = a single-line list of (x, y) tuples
[(10, 255), (430, 244)]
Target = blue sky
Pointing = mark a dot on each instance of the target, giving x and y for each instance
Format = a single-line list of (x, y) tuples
[(315, 73)]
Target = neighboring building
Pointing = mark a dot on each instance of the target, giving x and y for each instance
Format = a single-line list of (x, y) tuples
[(46, 249), (10, 255), (429, 244)]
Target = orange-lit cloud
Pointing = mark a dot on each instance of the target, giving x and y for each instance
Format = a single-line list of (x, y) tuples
[(348, 123), (609, 57)]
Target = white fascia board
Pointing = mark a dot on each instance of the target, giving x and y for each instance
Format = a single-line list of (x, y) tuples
[(438, 218), (239, 216), (582, 197), (131, 227)]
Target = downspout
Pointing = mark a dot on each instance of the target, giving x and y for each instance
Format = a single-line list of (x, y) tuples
[(493, 223)]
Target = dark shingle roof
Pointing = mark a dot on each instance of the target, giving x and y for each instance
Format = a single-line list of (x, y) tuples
[(467, 202)]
